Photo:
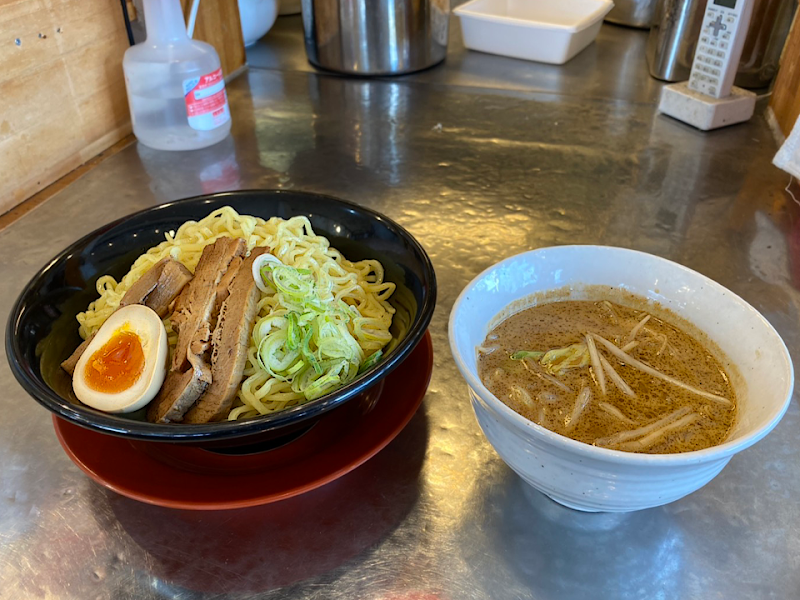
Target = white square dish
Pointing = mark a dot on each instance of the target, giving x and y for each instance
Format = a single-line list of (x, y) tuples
[(549, 31)]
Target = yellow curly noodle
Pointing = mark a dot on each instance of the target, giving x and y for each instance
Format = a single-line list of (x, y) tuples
[(294, 242)]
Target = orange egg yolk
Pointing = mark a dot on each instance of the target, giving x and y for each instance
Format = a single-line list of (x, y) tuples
[(117, 364)]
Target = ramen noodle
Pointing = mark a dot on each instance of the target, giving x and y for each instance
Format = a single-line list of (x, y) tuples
[(358, 285)]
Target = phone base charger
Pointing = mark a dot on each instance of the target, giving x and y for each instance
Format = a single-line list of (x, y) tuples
[(704, 112)]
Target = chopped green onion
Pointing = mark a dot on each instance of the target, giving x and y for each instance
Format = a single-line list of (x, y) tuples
[(273, 355), (321, 386), (294, 335), (310, 340), (371, 361), (265, 271), (558, 360), (308, 354), (534, 354)]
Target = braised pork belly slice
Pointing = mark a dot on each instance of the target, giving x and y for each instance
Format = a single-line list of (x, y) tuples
[(72, 362), (230, 341), (157, 288), (179, 392), (224, 285), (190, 372), (194, 308)]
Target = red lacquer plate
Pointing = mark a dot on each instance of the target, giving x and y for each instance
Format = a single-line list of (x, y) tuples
[(177, 476)]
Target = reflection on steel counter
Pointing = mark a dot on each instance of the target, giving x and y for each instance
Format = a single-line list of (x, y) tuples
[(262, 548), (368, 121)]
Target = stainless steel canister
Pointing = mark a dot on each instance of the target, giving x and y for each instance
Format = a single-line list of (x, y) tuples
[(375, 37), (633, 13), (673, 37)]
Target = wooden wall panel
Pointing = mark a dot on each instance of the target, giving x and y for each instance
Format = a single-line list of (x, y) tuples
[(62, 91), (785, 100), (218, 24)]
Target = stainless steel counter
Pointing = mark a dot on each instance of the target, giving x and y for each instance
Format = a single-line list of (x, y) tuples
[(480, 158)]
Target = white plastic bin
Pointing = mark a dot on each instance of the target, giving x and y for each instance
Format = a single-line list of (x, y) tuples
[(550, 31)]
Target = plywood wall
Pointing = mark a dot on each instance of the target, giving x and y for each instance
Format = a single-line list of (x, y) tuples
[(62, 93), (218, 24), (785, 100)]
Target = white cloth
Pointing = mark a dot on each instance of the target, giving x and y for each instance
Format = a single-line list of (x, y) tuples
[(788, 156)]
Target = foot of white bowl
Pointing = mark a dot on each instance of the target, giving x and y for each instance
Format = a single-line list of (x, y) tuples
[(574, 506)]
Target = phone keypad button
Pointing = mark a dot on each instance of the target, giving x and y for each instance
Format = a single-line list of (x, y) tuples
[(717, 26)]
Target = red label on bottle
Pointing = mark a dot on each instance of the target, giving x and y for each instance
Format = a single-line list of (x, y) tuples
[(206, 101)]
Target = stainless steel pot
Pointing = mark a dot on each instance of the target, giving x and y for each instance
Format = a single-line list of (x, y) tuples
[(633, 13), (375, 37)]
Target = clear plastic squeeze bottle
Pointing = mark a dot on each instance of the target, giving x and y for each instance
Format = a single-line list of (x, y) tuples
[(176, 91)]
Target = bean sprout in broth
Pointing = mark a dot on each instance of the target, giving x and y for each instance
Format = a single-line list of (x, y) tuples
[(609, 375)]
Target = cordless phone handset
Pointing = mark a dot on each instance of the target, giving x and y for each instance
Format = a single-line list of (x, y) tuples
[(719, 48)]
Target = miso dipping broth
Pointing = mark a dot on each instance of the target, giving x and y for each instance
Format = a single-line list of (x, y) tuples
[(611, 376)]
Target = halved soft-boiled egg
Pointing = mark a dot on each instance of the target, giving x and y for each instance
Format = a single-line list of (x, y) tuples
[(124, 365)]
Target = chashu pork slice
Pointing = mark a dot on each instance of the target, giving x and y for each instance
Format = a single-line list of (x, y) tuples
[(179, 392), (194, 308), (157, 288), (190, 373), (230, 342)]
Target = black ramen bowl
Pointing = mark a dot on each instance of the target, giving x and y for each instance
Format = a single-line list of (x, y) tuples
[(42, 330)]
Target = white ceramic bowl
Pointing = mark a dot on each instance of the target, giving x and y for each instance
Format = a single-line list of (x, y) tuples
[(586, 477), (257, 18)]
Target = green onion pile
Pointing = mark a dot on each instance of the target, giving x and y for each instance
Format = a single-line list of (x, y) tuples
[(306, 340)]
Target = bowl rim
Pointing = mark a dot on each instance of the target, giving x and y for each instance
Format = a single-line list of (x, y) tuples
[(721, 451), (116, 424)]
